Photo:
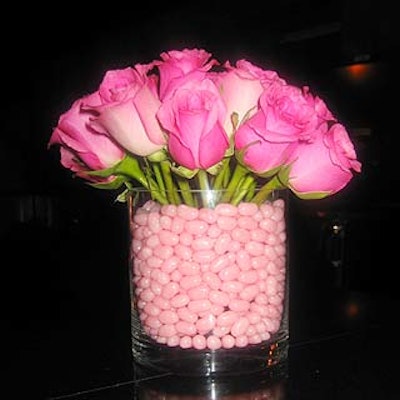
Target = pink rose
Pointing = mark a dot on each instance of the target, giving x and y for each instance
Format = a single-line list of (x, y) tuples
[(260, 154), (128, 110), (286, 115), (193, 119), (241, 87), (325, 165), (177, 67), (82, 149)]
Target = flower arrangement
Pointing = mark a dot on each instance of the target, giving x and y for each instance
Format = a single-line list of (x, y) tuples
[(186, 121)]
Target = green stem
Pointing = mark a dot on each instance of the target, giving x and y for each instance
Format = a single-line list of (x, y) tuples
[(172, 193), (186, 192), (239, 173), (204, 184), (242, 191), (220, 179), (267, 189)]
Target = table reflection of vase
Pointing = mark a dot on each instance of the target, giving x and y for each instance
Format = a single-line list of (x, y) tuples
[(209, 284)]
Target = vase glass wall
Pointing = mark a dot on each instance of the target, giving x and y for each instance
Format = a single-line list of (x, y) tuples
[(209, 284)]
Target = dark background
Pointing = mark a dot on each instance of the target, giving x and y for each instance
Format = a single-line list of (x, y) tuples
[(64, 245)]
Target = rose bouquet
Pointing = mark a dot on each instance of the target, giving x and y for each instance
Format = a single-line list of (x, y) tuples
[(186, 121)]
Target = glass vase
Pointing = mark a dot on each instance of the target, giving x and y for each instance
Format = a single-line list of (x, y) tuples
[(209, 284)]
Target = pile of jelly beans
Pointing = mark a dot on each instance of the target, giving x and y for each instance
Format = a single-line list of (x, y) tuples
[(209, 278)]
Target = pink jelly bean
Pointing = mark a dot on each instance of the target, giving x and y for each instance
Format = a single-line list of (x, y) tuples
[(161, 302), (228, 341), (230, 273), (199, 292), (246, 222), (177, 225), (141, 219), (176, 276), (156, 287), (199, 342), (218, 297), (212, 279), (203, 243), (169, 209), (214, 342), (180, 300), (255, 339), (189, 268), (226, 223), (187, 212), (249, 292), (170, 264), (241, 235), (226, 209), (152, 309), (160, 276), (186, 239), (153, 222), (153, 322), (248, 277), (144, 253), (247, 209), (279, 214), (147, 295), (267, 209), (183, 252), (190, 281), (268, 225), (168, 238), (204, 256), (254, 248), (213, 231), (170, 290), (152, 241), (241, 341), (207, 215), (227, 318), (186, 315), (164, 252), (167, 330), (165, 222), (240, 326), (186, 328), (258, 235), (154, 262), (199, 305), (173, 341), (219, 263), (232, 286), (239, 305), (196, 227), (168, 317), (205, 324), (185, 342)]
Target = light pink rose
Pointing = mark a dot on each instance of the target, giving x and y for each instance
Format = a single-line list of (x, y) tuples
[(179, 66), (128, 111), (241, 87), (193, 119), (324, 165), (82, 149), (260, 154)]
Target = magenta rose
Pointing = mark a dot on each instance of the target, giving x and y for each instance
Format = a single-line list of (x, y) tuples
[(286, 115), (325, 165), (83, 149), (193, 118), (177, 67), (128, 110)]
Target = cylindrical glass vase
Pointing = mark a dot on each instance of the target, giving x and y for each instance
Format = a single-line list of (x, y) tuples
[(209, 284)]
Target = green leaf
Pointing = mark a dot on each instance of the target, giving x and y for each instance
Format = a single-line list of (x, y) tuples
[(311, 195), (183, 171)]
